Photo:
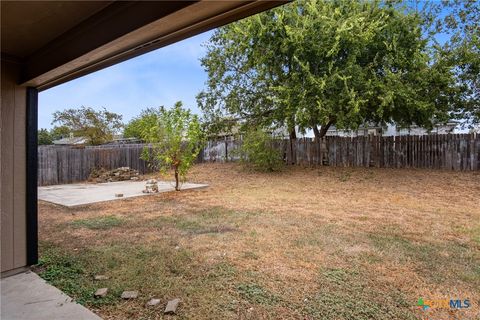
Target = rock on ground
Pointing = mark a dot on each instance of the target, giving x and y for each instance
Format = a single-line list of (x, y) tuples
[(100, 293), (129, 294), (172, 306), (153, 302), (151, 186)]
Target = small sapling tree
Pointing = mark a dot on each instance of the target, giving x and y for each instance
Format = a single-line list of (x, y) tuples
[(176, 139)]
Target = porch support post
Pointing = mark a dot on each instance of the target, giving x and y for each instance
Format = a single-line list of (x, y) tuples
[(32, 171)]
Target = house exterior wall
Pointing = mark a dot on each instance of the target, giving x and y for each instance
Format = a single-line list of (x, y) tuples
[(419, 131), (13, 173), (392, 130)]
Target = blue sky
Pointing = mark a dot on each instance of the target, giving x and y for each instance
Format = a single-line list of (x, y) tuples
[(160, 77)]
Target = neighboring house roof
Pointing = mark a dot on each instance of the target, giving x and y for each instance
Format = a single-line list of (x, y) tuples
[(71, 141)]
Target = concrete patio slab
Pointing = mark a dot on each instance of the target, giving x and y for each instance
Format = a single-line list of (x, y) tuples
[(71, 195), (26, 296)]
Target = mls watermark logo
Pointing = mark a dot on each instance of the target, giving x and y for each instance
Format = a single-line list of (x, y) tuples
[(425, 304)]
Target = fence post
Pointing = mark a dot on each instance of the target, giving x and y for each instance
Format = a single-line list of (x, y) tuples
[(226, 150)]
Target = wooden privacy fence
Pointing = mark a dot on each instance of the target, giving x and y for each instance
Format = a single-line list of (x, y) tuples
[(450, 152), (57, 165)]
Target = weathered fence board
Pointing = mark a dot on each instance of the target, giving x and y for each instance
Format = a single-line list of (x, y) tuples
[(451, 152), (57, 165)]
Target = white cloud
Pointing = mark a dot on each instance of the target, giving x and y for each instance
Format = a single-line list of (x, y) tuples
[(161, 77)]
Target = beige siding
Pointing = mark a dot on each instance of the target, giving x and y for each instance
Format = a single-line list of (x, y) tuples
[(13, 164)]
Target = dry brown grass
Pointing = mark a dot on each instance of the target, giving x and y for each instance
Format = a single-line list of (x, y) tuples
[(306, 243)]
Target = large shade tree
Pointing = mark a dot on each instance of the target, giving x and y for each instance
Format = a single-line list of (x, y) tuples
[(98, 126), (312, 64)]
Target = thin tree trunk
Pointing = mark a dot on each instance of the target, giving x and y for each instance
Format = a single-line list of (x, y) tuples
[(293, 137), (324, 129), (177, 185), (293, 134), (316, 132)]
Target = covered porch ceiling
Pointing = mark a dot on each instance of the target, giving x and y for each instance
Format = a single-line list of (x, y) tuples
[(56, 41)]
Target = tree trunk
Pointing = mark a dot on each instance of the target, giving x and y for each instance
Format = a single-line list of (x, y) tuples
[(177, 185), (293, 134), (293, 137), (323, 130), (316, 132)]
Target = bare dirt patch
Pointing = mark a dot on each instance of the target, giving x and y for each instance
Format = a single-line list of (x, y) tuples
[(305, 243)]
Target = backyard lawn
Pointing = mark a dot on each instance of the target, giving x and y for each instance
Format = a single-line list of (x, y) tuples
[(306, 243)]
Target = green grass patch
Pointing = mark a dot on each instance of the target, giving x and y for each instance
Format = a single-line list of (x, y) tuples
[(70, 274), (344, 177), (158, 270), (337, 276), (208, 221), (255, 293), (436, 261), (473, 233), (250, 255), (348, 294), (98, 223), (476, 235)]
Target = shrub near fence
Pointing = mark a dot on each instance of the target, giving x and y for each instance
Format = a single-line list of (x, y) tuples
[(57, 165)]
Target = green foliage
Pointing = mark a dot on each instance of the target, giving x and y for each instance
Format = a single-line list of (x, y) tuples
[(311, 64), (98, 126), (259, 153), (44, 137), (59, 132), (176, 139), (462, 52), (256, 294), (136, 127), (98, 223)]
